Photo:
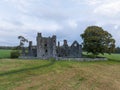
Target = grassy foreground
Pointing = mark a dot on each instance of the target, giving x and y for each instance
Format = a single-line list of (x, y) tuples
[(16, 74), (59, 75)]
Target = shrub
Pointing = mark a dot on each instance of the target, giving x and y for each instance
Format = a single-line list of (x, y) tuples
[(15, 54)]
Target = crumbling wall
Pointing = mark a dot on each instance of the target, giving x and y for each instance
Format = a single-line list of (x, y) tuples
[(73, 51), (46, 47)]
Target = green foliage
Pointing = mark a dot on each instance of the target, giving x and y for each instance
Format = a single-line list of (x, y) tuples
[(22, 41), (117, 50), (97, 41), (15, 54)]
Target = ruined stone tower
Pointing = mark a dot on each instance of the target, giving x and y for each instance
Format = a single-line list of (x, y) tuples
[(46, 46)]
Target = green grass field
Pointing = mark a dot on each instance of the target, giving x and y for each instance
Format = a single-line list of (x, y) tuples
[(112, 56), (17, 74), (4, 53)]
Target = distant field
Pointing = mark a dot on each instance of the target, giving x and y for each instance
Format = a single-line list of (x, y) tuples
[(112, 56), (59, 75), (4, 53), (109, 56)]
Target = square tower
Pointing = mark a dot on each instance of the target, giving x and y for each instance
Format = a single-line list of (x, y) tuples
[(46, 46)]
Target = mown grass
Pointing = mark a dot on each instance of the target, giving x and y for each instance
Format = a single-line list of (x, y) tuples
[(18, 74), (58, 75)]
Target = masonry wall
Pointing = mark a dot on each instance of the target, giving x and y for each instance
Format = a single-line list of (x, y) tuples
[(81, 59), (46, 47), (73, 51)]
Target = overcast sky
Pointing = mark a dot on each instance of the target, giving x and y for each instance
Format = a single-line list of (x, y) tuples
[(65, 18)]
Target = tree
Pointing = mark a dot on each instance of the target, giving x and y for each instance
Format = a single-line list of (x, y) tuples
[(22, 41), (97, 41), (117, 50)]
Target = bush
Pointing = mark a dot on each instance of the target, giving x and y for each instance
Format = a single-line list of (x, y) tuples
[(14, 54)]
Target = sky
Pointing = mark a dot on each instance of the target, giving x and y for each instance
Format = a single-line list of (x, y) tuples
[(66, 19)]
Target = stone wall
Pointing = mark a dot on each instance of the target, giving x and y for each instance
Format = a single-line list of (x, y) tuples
[(46, 46), (82, 59), (73, 51), (66, 59)]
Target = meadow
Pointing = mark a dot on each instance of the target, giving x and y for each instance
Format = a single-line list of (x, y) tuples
[(4, 53), (18, 74)]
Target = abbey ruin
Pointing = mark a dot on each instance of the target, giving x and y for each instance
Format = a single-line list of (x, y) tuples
[(47, 48)]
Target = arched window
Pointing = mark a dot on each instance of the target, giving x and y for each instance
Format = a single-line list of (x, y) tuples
[(75, 45)]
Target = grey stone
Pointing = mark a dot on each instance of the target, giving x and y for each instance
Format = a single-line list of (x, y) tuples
[(73, 51), (46, 48)]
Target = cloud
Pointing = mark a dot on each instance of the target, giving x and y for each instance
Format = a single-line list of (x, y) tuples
[(93, 2), (21, 5), (109, 9), (65, 18), (116, 27), (72, 23)]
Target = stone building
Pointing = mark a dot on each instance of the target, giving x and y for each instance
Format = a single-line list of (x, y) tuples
[(46, 48), (73, 51)]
